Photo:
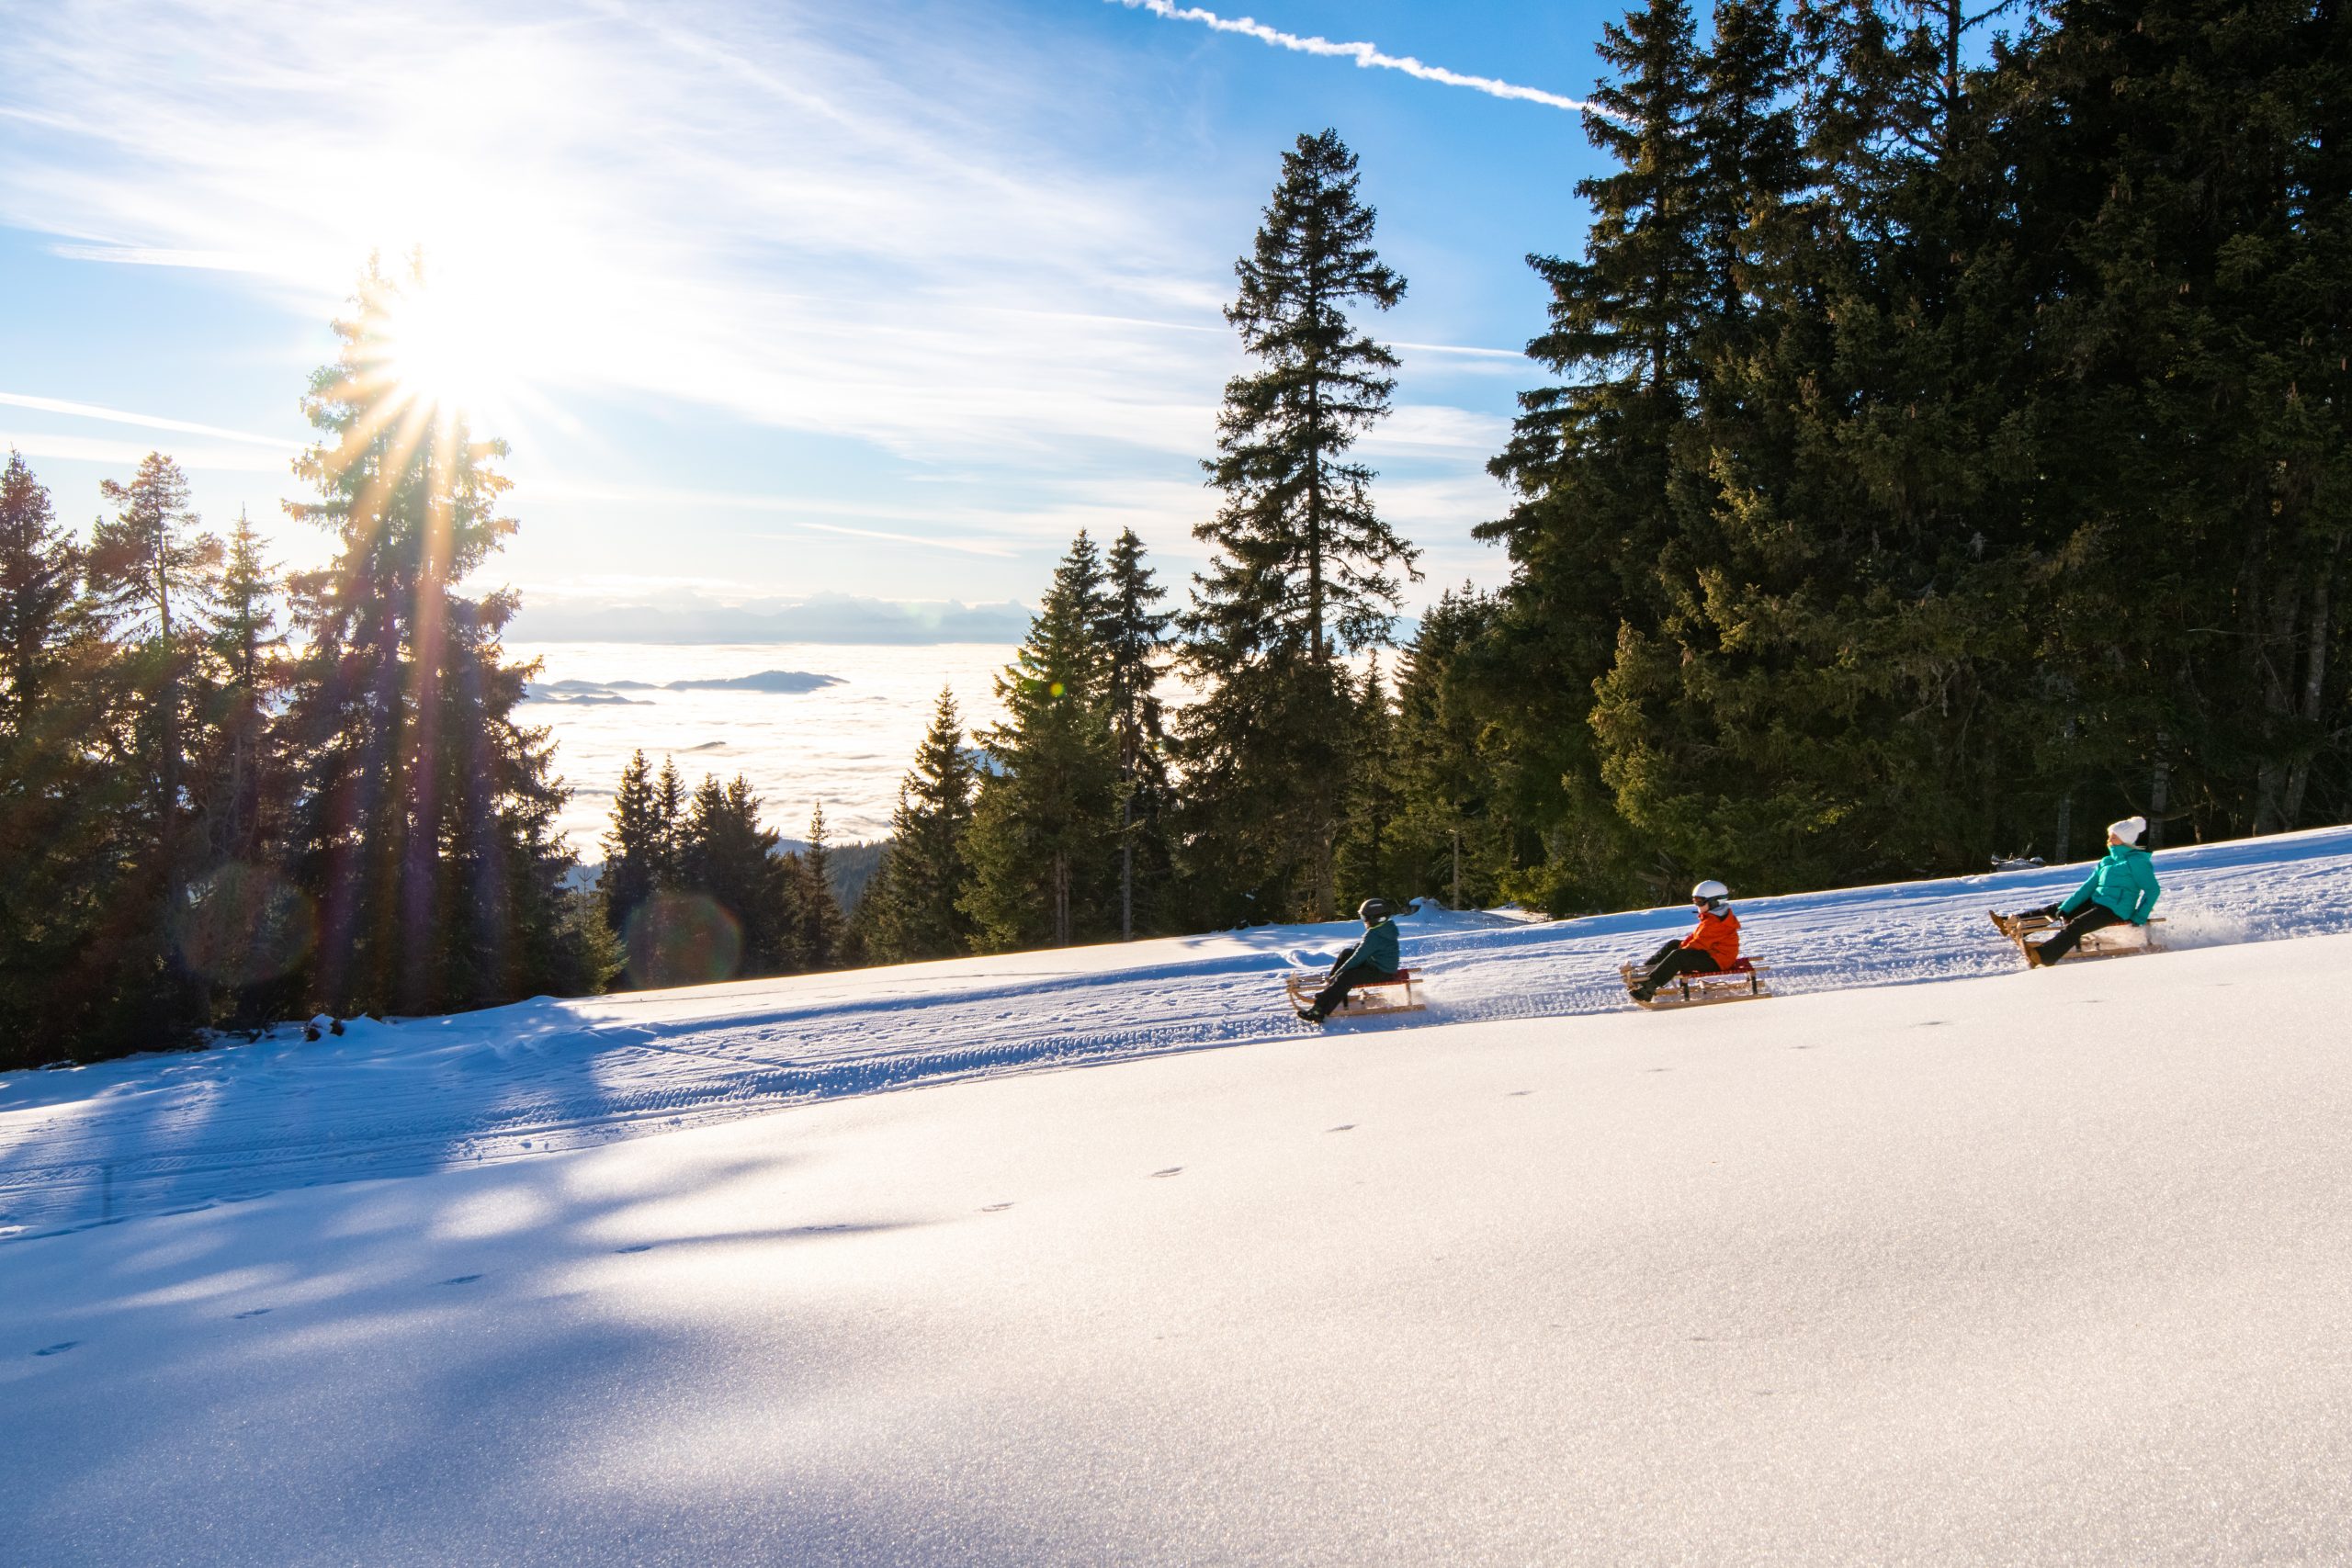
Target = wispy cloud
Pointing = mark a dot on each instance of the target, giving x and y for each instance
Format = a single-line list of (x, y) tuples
[(1369, 56), (126, 454), (149, 421), (942, 542)]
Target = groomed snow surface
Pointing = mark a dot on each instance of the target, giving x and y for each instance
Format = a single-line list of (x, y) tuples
[(1930, 1260)]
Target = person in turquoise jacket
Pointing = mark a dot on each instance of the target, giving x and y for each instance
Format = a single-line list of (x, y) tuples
[(1373, 958), (2120, 890)]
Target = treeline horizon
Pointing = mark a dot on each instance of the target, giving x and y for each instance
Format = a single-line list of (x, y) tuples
[(1937, 448)]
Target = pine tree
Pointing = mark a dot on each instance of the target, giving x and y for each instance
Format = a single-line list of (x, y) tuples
[(726, 856), (823, 929), (425, 815), (1448, 787), (1371, 860), (1133, 633), (1045, 829), (244, 927), (40, 571), (155, 578), (911, 911), (58, 856), (1592, 534), (640, 849), (246, 643), (1305, 567)]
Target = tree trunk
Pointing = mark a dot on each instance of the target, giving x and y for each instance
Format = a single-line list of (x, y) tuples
[(1061, 898), (2299, 775), (1127, 869)]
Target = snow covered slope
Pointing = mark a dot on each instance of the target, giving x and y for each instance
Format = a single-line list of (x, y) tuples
[(2028, 1269), (157, 1134)]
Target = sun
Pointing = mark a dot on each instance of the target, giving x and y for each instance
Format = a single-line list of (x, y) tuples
[(447, 351)]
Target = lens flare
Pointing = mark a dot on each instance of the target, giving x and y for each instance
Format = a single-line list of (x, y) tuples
[(244, 924), (682, 939)]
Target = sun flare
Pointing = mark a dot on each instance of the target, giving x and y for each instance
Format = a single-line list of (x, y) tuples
[(446, 352)]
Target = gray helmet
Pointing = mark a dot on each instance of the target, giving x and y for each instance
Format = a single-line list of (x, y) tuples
[(1374, 910)]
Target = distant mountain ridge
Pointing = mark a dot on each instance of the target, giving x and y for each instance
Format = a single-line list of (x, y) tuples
[(785, 682), (824, 618)]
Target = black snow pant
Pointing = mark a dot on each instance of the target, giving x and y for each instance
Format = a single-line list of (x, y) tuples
[(2080, 924), (1342, 981), (1671, 960)]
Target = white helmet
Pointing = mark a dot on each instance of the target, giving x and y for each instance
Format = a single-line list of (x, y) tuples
[(1710, 892)]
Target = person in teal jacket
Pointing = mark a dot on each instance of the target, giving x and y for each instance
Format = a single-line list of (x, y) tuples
[(1373, 958), (2120, 890)]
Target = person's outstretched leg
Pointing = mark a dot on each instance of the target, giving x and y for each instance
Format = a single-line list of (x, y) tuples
[(1679, 962), (2095, 917), (1327, 999)]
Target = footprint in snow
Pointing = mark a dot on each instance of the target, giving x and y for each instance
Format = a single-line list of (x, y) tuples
[(640, 1246), (62, 1345), (256, 1311), (1519, 1094), (461, 1279), (1342, 1127), (994, 1208), (1171, 1171)]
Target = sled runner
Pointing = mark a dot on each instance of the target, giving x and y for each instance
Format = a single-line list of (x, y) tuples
[(2108, 942), (1370, 998), (1742, 982)]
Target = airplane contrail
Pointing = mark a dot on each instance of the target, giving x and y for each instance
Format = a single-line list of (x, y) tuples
[(1366, 55)]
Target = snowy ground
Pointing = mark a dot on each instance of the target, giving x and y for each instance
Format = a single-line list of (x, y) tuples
[(157, 1134), (2029, 1269)]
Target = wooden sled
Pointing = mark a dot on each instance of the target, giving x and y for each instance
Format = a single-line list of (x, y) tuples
[(1369, 1000), (1742, 982), (2110, 942)]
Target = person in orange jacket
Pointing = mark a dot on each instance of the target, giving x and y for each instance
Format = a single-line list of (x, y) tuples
[(1712, 947)]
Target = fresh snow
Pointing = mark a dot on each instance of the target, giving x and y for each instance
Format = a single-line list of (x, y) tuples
[(155, 1133), (1931, 1260)]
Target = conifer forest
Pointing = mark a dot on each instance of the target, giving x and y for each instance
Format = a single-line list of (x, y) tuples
[(1936, 448)]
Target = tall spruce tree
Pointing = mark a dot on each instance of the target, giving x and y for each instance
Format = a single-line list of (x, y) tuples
[(240, 791), (1592, 534), (1305, 569), (242, 926), (641, 847), (1372, 859), (1133, 632), (1044, 828), (912, 908), (821, 931), (1447, 785), (155, 576), (59, 859), (727, 856), (41, 627), (425, 818)]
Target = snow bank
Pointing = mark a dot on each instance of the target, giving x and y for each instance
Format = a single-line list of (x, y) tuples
[(152, 1135)]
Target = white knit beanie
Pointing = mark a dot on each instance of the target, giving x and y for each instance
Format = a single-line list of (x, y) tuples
[(2129, 830)]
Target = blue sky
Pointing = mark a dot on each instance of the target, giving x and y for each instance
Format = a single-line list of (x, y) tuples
[(883, 298)]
